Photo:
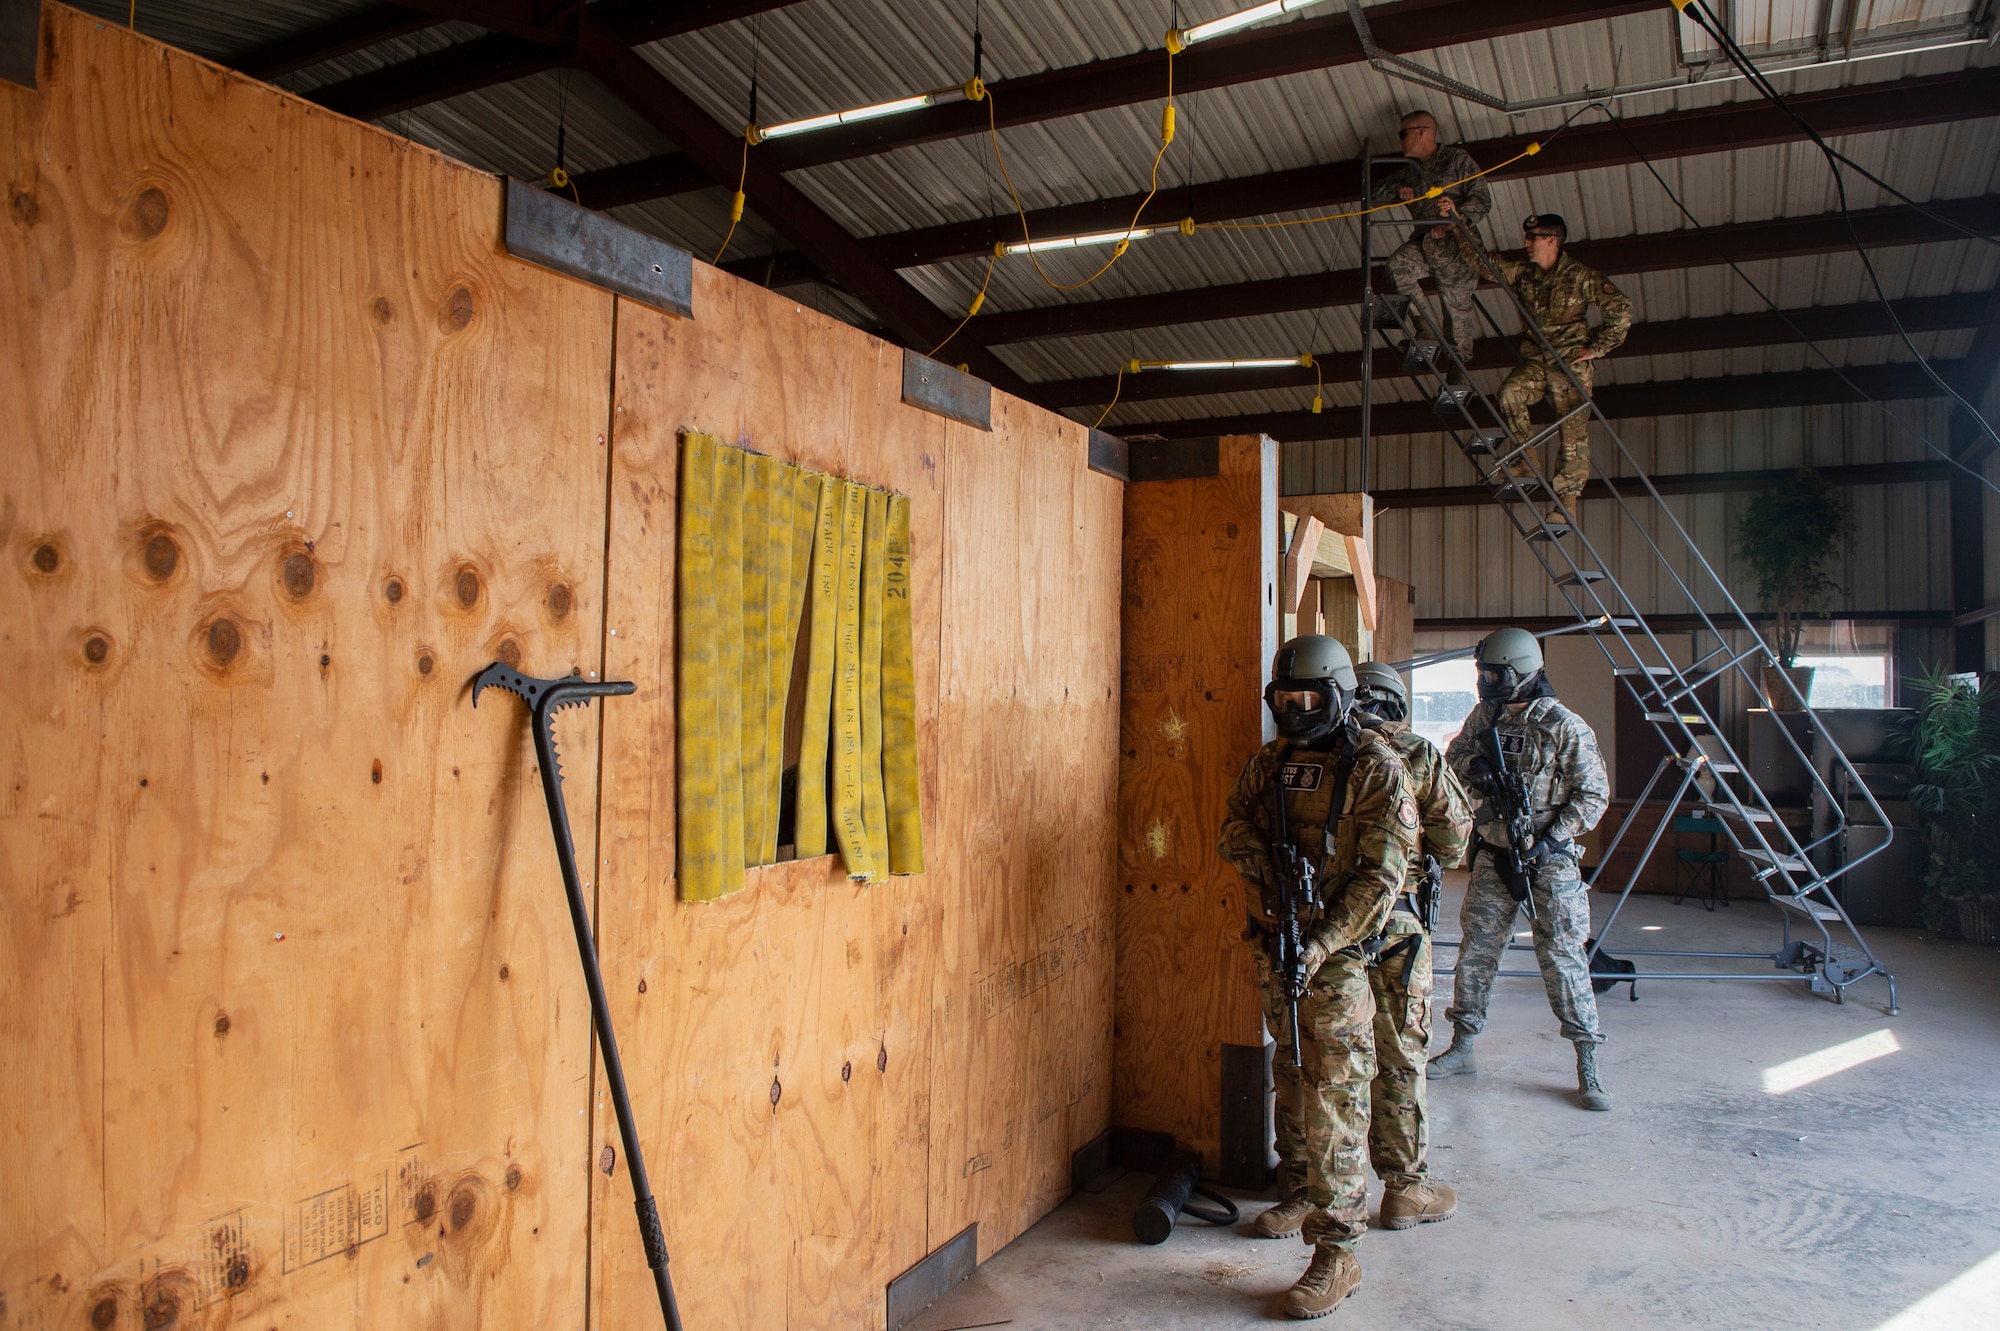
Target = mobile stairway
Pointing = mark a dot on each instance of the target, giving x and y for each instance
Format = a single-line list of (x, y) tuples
[(1797, 869)]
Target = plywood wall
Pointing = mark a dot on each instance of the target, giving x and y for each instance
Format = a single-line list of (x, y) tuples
[(292, 1032), (1200, 622)]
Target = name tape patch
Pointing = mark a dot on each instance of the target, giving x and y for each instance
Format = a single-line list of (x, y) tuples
[(1301, 776)]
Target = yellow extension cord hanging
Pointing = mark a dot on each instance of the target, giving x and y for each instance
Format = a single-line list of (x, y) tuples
[(900, 781)]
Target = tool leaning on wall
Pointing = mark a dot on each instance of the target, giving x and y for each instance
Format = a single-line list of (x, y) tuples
[(546, 697)]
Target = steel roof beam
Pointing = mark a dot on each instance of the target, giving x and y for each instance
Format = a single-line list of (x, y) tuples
[(1684, 397), (1971, 445), (1722, 332), (1741, 242), (719, 151), (336, 37), (1264, 53), (1970, 94), (516, 45), (1684, 483)]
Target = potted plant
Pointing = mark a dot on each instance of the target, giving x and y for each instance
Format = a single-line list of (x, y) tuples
[(1954, 743), (1789, 536)]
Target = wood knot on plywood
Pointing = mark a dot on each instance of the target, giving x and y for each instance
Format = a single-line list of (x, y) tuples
[(146, 216), (1157, 839)]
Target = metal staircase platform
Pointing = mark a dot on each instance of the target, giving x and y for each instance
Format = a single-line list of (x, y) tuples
[(1798, 876)]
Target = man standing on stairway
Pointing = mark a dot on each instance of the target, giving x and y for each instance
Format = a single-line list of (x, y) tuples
[(1519, 739), (1558, 293), (1328, 806), (1431, 249)]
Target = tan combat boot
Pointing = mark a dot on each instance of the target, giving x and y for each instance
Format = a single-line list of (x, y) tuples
[(1422, 1203), (1283, 1220), (1456, 1061), (1589, 1085), (1334, 1274)]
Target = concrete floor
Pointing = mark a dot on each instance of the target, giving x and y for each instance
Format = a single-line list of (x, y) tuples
[(1867, 1200)]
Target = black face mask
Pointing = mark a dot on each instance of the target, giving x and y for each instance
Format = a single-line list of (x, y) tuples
[(1302, 724), (1373, 706), (1506, 686)]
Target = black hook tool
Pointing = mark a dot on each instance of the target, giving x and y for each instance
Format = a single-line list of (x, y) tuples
[(546, 697)]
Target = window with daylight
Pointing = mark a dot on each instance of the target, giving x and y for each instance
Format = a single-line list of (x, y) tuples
[(1848, 681), (1440, 697)]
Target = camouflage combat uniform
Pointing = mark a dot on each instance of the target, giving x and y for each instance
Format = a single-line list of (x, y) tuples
[(1558, 753), (1398, 1133), (1444, 259), (1559, 299), (1323, 1104)]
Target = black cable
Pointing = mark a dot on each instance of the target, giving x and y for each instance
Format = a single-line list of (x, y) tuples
[(1706, 19), (1783, 316)]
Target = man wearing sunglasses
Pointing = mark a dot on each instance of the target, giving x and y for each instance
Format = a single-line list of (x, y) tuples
[(1558, 292), (1338, 797), (1519, 730), (1431, 249)]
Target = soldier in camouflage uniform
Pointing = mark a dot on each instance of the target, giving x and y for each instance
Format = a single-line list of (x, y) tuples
[(1556, 752), (1433, 250), (1558, 292), (1348, 807), (1398, 1131)]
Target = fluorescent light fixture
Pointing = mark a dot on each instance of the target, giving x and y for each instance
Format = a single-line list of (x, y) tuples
[(1254, 363), (1818, 1066), (1078, 242), (971, 91), (1179, 39)]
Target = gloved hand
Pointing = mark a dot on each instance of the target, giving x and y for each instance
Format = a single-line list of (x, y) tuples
[(1311, 957), (1479, 774), (1541, 848)]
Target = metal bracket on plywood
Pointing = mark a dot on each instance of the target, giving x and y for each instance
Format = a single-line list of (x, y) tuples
[(933, 1277), (20, 40), (1109, 456), (557, 234), (951, 393), (1246, 1115)]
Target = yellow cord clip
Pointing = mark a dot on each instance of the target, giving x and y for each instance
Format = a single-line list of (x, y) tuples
[(1533, 148), (1167, 124), (977, 301), (1317, 404), (1120, 248), (1187, 226), (736, 206), (558, 178), (974, 89), (965, 367)]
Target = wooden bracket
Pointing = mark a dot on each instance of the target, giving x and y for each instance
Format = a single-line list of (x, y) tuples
[(555, 233), (1298, 562), (1362, 561)]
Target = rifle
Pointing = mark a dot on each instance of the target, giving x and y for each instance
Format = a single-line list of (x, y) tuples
[(1509, 792), (1294, 873)]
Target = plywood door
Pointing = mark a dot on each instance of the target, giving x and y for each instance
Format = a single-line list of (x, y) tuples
[(1200, 620), (778, 1039), (293, 1030)]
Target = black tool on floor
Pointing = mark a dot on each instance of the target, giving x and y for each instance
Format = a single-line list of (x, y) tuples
[(1607, 970), (1153, 1222), (546, 697)]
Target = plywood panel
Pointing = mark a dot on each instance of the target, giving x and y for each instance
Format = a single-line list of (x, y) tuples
[(820, 1044), (293, 1032), (1200, 627)]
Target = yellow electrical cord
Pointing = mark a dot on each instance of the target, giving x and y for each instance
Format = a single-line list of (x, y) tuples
[(735, 203), (970, 310), (1116, 389), (1152, 188)]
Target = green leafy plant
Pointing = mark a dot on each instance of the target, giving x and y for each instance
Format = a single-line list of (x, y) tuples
[(1789, 536), (1954, 741)]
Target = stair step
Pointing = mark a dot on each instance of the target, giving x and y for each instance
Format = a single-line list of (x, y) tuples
[(1450, 400), (1482, 441), (1580, 578), (1747, 814), (1549, 531), (1421, 356), (1628, 672), (1806, 906), (1669, 718), (1388, 308), (1727, 769), (1789, 863)]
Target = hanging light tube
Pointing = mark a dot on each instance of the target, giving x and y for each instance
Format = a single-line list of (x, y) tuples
[(1003, 248), (1252, 363), (972, 90), (1179, 39)]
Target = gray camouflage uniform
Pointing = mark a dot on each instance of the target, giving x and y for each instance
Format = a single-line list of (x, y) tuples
[(1442, 258), (1558, 753)]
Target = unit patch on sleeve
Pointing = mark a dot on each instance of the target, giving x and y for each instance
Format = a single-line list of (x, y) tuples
[(1406, 812), (1302, 776)]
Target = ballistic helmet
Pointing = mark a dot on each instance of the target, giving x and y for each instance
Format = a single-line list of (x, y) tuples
[(1379, 694), (1311, 688), (1508, 660)]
